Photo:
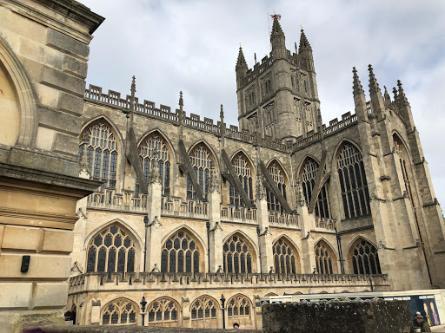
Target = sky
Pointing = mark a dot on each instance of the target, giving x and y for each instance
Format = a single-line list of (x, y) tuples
[(192, 45)]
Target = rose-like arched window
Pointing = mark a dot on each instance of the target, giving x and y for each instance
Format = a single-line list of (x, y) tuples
[(111, 250), (98, 143)]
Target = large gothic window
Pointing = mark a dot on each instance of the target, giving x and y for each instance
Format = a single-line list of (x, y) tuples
[(285, 257), (325, 258), (204, 308), (180, 254), (238, 306), (365, 259), (154, 150), (119, 312), (163, 310), (98, 143), (354, 187), (307, 178), (238, 256), (202, 162), (111, 250), (279, 178), (243, 170)]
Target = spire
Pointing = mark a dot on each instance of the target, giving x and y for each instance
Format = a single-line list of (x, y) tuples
[(277, 31), (373, 84), (241, 61), (359, 97), (304, 43), (357, 87)]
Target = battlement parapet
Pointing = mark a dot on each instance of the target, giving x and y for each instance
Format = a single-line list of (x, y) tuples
[(163, 112), (139, 280)]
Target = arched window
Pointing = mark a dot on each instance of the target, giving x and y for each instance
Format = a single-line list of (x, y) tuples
[(284, 257), (111, 250), (204, 308), (98, 142), (354, 187), (325, 258), (238, 306), (365, 259), (307, 178), (202, 162), (180, 254), (163, 309), (404, 159), (238, 256), (279, 178), (120, 311), (154, 149), (243, 170)]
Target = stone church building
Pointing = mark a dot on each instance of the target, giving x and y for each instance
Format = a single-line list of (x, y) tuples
[(187, 221)]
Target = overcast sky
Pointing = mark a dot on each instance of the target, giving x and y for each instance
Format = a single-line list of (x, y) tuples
[(192, 45)]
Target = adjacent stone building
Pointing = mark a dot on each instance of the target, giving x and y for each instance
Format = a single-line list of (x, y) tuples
[(193, 214)]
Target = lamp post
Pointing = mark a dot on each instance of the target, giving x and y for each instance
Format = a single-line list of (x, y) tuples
[(146, 222), (143, 305), (223, 301)]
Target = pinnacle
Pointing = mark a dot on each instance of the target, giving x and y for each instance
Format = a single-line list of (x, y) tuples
[(373, 84), (357, 87), (181, 100), (304, 42), (276, 27), (133, 86), (241, 61)]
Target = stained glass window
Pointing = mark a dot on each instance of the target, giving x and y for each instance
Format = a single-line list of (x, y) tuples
[(238, 256), (284, 257), (202, 163), (243, 170), (279, 178), (180, 254)]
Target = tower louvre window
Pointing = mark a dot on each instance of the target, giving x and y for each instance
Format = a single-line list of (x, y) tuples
[(354, 187)]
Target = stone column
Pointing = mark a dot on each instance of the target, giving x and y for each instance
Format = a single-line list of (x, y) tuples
[(215, 236), (307, 223), (264, 235)]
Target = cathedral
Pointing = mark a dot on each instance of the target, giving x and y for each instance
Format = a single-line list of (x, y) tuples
[(159, 217)]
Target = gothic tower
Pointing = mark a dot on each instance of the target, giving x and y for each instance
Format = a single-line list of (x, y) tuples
[(278, 97)]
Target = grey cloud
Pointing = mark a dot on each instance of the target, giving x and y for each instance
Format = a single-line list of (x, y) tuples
[(192, 45)]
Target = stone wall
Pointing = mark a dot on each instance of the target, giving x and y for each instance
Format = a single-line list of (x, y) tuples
[(374, 316)]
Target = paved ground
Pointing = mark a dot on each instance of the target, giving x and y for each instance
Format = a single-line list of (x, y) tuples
[(440, 328)]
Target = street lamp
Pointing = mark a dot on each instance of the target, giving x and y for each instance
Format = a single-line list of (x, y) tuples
[(143, 305), (223, 301), (146, 222)]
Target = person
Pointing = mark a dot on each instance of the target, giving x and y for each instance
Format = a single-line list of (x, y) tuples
[(419, 324), (236, 326)]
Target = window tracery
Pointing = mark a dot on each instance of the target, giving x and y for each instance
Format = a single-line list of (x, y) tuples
[(238, 306), (284, 257), (202, 163), (98, 143), (352, 177), (243, 170), (180, 253), (111, 250), (237, 255), (204, 308), (163, 309), (120, 311), (365, 259), (324, 258), (279, 178)]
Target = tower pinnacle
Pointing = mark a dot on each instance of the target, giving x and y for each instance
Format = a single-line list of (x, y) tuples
[(357, 87), (277, 39), (241, 61), (373, 84), (304, 43)]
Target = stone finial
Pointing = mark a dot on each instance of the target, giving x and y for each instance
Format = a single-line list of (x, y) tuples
[(181, 100), (254, 58), (296, 47), (304, 42), (276, 27), (401, 93), (221, 113), (373, 84), (241, 61), (394, 92), (133, 86), (386, 97), (181, 114), (357, 87)]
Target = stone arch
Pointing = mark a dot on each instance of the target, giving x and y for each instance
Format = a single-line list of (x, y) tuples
[(275, 160), (245, 170), (244, 152), (364, 258), (25, 94), (107, 120), (325, 257), (240, 309), (119, 311), (182, 251), (204, 311), (296, 254), (239, 254), (303, 161), (164, 310), (217, 165), (161, 133), (112, 248)]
